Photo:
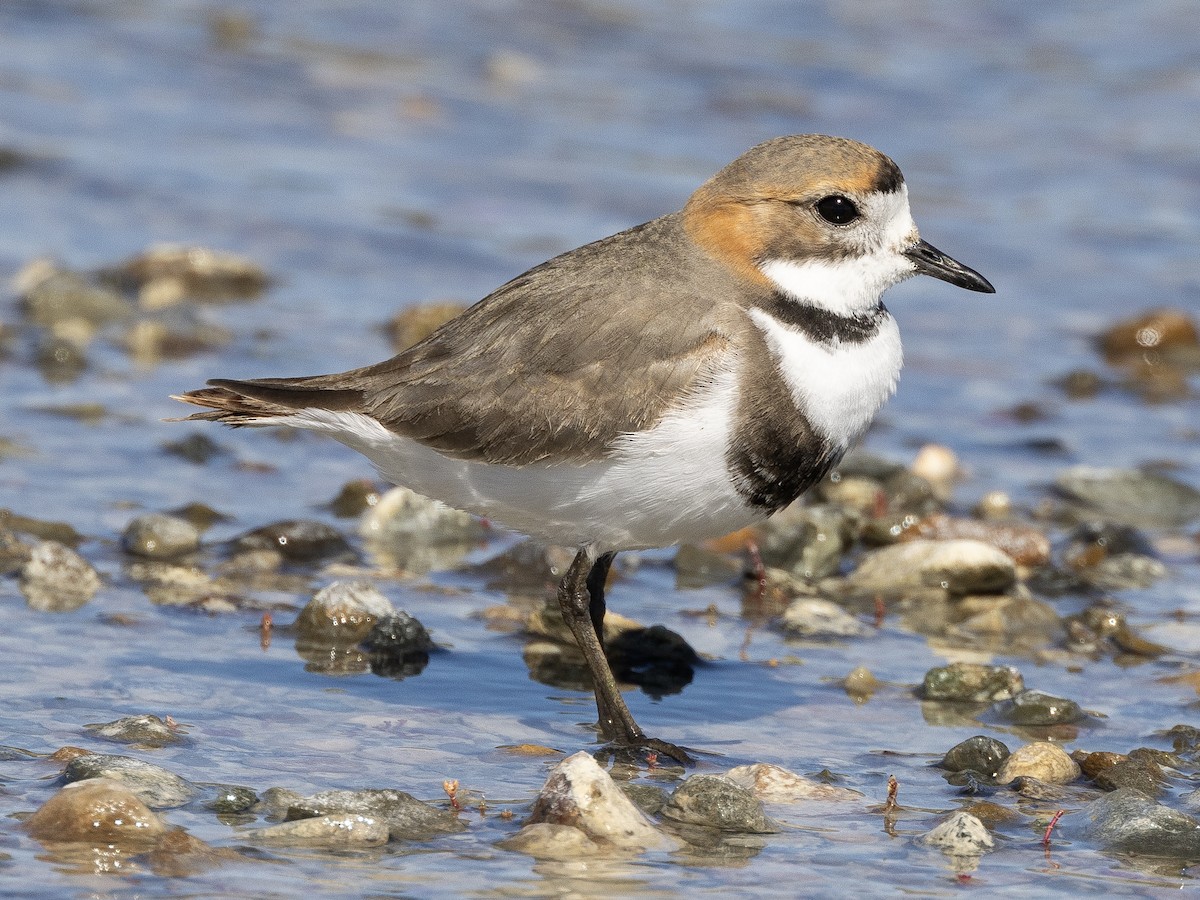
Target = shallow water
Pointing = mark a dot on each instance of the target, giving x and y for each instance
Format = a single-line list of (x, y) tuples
[(372, 157)]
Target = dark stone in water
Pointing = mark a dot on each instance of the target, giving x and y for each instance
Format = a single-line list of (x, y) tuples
[(299, 540), (656, 659), (980, 753), (398, 646), (1127, 821), (1038, 708)]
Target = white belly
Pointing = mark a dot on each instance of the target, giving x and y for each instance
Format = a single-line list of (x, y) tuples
[(660, 487)]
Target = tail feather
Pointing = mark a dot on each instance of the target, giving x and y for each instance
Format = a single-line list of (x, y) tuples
[(239, 403)]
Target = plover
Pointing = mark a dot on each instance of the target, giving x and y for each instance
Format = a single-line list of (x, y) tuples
[(670, 383)]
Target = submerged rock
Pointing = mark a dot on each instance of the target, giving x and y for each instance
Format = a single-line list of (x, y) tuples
[(980, 753), (955, 567), (167, 273), (717, 801), (405, 817), (960, 834), (145, 731), (155, 786), (1025, 544), (544, 840), (1129, 497), (971, 683), (774, 784), (811, 617), (342, 613), (1039, 708), (298, 541), (100, 811), (332, 832), (1127, 821), (159, 536), (579, 794)]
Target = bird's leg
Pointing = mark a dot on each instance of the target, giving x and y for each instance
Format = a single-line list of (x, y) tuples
[(581, 599)]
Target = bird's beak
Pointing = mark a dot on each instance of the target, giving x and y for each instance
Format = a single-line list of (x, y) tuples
[(929, 260)]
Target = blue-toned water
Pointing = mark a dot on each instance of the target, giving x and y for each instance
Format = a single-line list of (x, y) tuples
[(374, 156)]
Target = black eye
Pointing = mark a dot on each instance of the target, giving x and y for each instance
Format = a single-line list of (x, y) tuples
[(837, 210)]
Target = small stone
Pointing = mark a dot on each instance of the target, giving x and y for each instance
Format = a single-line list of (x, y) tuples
[(197, 272), (405, 817), (543, 840), (398, 646), (1092, 764), (580, 794), (1160, 330), (717, 801), (1041, 760), (649, 798), (955, 567), (1034, 789), (1027, 546), (994, 506), (343, 613), (355, 498), (232, 799), (810, 617), (1127, 821), (806, 541), (412, 533), (144, 731), (1038, 708), (1128, 497), (774, 784), (301, 540), (937, 464), (333, 832), (416, 323), (960, 834), (51, 295), (971, 683), (155, 786), (98, 811), (980, 753), (656, 659), (861, 684), (57, 579), (159, 536)]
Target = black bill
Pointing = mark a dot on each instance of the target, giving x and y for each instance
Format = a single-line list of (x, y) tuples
[(929, 260)]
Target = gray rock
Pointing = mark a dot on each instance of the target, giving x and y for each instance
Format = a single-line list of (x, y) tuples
[(1039, 708), (971, 683), (960, 834), (301, 540), (57, 579), (955, 567), (333, 832), (1127, 821), (717, 801), (144, 731), (231, 799), (159, 536), (980, 753), (579, 794), (1129, 497), (544, 840), (406, 817), (155, 786), (807, 541), (810, 617)]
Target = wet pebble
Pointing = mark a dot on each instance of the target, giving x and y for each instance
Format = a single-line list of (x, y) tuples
[(543, 840), (808, 542), (404, 816), (332, 832), (580, 794), (656, 659), (355, 498), (774, 784), (956, 567), (412, 533), (51, 295), (231, 799), (155, 786), (959, 834), (980, 753), (1127, 821), (343, 613), (1136, 771), (1159, 331), (1025, 544), (1035, 789), (168, 273), (144, 731), (299, 541), (57, 579), (717, 801), (398, 646), (1129, 497), (971, 683), (811, 617), (100, 811), (1039, 708), (1041, 760), (159, 536)]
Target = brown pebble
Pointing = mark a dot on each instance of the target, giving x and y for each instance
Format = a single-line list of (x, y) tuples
[(97, 810), (1158, 329), (1093, 764), (1041, 760)]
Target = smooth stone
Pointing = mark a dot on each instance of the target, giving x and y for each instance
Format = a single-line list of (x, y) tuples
[(332, 832), (1154, 331), (656, 659), (806, 541), (1127, 821), (1039, 708), (398, 646), (298, 540), (956, 566), (544, 840), (231, 799), (146, 731), (1130, 497), (343, 613), (971, 683), (155, 786), (198, 272), (774, 784), (1026, 545), (717, 801), (960, 834), (1041, 760), (580, 794), (407, 818), (811, 617), (98, 810), (57, 579), (159, 536), (980, 753)]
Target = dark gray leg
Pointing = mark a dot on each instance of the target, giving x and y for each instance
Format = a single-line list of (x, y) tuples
[(581, 599)]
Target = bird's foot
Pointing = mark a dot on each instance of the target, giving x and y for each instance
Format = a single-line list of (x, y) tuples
[(639, 749)]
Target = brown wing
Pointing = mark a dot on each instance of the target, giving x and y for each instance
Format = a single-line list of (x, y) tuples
[(556, 364)]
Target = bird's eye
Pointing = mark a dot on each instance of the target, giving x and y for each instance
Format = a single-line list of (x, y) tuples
[(837, 210)]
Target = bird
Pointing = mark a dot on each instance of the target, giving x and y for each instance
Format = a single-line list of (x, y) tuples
[(671, 383)]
